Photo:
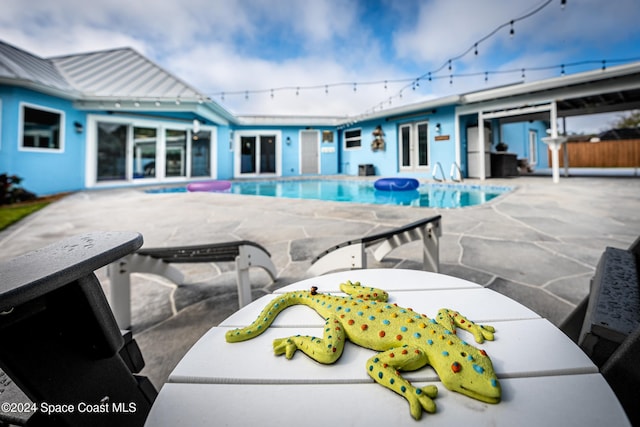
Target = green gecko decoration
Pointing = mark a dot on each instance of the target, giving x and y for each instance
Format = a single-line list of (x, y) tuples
[(406, 341)]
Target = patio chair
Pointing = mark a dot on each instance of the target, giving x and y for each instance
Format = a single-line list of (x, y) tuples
[(611, 311), (59, 341), (351, 254), (157, 261), (622, 372)]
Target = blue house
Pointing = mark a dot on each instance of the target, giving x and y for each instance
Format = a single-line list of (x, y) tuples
[(114, 118)]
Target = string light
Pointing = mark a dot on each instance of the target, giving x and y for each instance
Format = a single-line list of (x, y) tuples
[(511, 31), (476, 49), (563, 3)]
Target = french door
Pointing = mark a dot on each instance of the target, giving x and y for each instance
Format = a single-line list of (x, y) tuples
[(413, 146), (258, 154)]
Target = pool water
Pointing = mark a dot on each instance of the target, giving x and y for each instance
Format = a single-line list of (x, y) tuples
[(427, 195)]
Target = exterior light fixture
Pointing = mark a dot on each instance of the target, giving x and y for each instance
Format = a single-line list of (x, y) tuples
[(79, 127), (288, 140), (438, 128)]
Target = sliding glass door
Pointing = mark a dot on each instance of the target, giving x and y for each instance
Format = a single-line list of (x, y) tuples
[(112, 152), (258, 154), (144, 150)]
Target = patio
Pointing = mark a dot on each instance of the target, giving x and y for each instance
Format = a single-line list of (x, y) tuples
[(538, 245)]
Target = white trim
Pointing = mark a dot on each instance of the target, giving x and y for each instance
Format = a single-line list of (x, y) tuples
[(300, 155), (237, 158), (61, 134), (414, 149), (533, 146)]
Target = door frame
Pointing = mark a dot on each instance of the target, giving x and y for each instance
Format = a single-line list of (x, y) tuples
[(414, 147), (237, 158)]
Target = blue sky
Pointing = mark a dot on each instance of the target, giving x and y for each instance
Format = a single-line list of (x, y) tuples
[(323, 47)]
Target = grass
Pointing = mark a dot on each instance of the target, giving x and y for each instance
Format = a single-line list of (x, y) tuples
[(10, 214)]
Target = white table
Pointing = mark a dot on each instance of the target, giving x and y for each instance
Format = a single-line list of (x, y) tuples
[(546, 379)]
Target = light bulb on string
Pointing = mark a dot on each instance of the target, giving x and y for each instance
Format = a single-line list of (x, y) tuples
[(486, 76), (511, 31), (523, 73), (246, 95), (429, 75), (326, 89), (385, 85), (563, 3), (562, 69), (355, 87), (604, 64), (476, 49), (449, 65), (450, 79), (271, 93)]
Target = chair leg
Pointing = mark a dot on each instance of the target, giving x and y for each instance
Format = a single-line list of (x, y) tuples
[(119, 274)]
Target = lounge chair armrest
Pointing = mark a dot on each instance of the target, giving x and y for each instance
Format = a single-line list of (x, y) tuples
[(341, 258), (40, 272)]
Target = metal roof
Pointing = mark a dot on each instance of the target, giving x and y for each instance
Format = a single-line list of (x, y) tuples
[(122, 74), (32, 71)]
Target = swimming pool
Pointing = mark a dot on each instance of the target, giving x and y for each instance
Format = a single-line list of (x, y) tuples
[(434, 195)]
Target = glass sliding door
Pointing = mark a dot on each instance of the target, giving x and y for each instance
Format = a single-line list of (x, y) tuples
[(258, 153), (133, 150), (111, 152), (176, 153), (201, 154), (248, 154), (268, 154), (144, 152)]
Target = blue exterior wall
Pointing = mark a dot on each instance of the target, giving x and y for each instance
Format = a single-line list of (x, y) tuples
[(386, 162), (516, 136), (290, 159), (47, 172), (44, 172), (224, 153)]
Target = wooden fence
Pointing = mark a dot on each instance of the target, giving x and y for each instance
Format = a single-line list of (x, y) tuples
[(603, 154)]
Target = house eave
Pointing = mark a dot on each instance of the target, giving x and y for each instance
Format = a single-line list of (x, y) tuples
[(37, 87), (198, 107)]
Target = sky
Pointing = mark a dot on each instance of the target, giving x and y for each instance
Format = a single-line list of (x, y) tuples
[(339, 57)]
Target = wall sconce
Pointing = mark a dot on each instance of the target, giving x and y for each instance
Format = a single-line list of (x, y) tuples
[(230, 140), (288, 140), (438, 128), (78, 127), (378, 141)]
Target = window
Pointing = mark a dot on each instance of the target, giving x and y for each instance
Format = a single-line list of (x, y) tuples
[(353, 138), (41, 128)]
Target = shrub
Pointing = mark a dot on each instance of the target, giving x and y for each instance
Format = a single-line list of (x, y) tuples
[(11, 191)]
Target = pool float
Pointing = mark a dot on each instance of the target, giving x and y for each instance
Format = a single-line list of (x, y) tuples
[(210, 186), (396, 184)]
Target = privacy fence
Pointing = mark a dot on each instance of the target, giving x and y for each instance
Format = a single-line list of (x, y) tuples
[(603, 154)]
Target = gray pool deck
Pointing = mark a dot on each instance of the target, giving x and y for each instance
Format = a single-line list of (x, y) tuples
[(538, 244)]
